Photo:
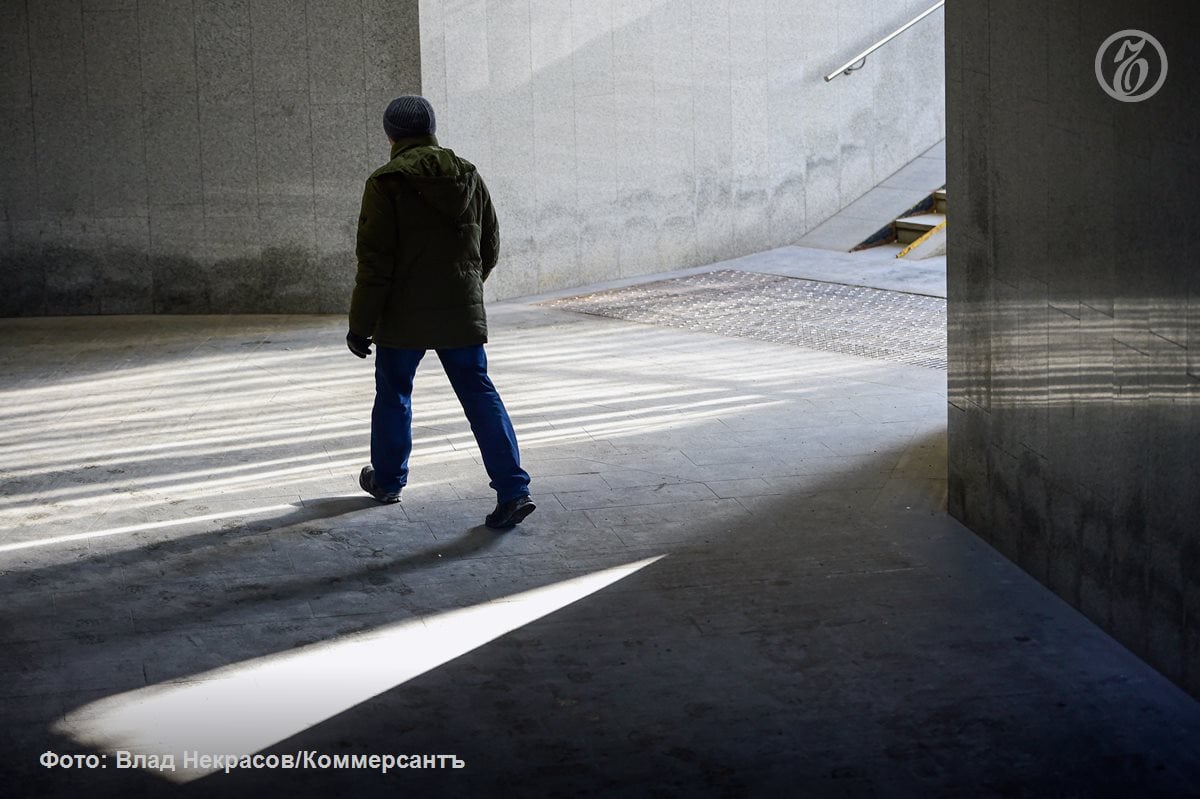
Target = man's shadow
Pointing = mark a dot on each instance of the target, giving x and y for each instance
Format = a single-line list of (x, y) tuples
[(79, 630)]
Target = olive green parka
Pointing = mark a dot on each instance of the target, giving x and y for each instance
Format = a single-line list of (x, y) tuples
[(427, 240)]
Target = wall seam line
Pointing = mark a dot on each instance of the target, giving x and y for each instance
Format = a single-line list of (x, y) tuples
[(137, 15), (312, 143), (254, 125)]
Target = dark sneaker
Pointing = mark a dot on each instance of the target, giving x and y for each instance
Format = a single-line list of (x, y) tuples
[(511, 513), (366, 479)]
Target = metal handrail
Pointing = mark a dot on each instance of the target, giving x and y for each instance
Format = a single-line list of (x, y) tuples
[(861, 58)]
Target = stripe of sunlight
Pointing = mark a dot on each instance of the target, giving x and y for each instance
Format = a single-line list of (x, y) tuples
[(200, 418), (667, 419), (529, 401), (195, 373), (166, 398), (209, 483), (196, 366), (748, 371), (137, 528), (206, 480), (204, 477), (185, 437), (246, 707), (210, 478), (624, 343), (541, 431), (133, 408), (450, 443), (80, 451), (130, 408), (622, 427), (444, 411), (199, 371), (318, 461), (206, 485), (641, 420), (77, 508)]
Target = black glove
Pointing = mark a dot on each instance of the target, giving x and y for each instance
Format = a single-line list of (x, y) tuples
[(359, 345)]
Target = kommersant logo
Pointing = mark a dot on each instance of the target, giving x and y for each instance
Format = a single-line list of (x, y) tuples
[(1131, 66)]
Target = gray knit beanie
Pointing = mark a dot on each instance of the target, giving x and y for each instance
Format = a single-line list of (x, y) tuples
[(407, 116)]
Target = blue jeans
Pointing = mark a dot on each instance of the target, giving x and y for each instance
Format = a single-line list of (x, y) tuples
[(391, 418)]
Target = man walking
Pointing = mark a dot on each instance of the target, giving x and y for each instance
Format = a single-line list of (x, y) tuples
[(427, 240)]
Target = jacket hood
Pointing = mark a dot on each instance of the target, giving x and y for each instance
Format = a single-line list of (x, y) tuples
[(440, 177)]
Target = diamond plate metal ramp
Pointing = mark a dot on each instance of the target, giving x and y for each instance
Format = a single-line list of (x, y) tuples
[(872, 323)]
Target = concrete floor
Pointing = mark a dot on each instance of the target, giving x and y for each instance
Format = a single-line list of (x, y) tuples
[(750, 584)]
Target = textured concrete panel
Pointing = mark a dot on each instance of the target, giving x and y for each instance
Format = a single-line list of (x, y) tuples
[(117, 156), (467, 53), (126, 283), (72, 255), (433, 51), (392, 43), (466, 112), (336, 51), (508, 174), (111, 50), (596, 153), (821, 137), (177, 239), (288, 244), (749, 91), (786, 78), (25, 272), (18, 165), (174, 175), (639, 198), (285, 151), (592, 60), (227, 148), (240, 275), (555, 182), (63, 161), (860, 23), (817, 102), (167, 47), (225, 71), (674, 107), (280, 33), (338, 153), (334, 279), (509, 36), (15, 75), (56, 50), (714, 157), (710, 41), (511, 166), (750, 101), (674, 150)]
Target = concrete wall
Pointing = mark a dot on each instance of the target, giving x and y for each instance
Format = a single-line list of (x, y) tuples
[(191, 155), (624, 137), (1074, 298), (207, 155)]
